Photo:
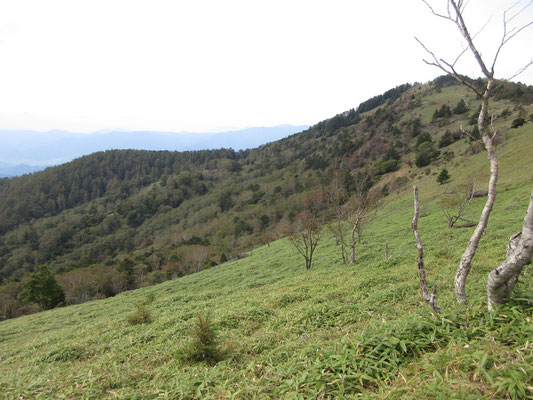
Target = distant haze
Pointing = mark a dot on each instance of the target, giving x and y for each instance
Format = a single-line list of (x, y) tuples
[(26, 151)]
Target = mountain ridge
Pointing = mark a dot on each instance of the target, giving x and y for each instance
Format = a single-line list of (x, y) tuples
[(57, 147)]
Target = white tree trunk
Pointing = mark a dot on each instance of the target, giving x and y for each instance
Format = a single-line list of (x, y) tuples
[(519, 251), (470, 251)]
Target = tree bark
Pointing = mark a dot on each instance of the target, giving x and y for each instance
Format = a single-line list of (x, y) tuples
[(352, 258), (430, 298), (470, 251), (503, 279)]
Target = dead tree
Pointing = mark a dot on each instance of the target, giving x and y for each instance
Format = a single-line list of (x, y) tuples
[(430, 298), (519, 251), (337, 195), (360, 210), (306, 230), (454, 14), (305, 235), (355, 212), (454, 204)]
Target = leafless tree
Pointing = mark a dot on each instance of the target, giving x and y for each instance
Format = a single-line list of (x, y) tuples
[(430, 298), (337, 195), (355, 211), (455, 14), (360, 209), (196, 257), (453, 204), (306, 230)]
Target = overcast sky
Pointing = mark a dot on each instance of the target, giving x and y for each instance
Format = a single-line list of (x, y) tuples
[(211, 65)]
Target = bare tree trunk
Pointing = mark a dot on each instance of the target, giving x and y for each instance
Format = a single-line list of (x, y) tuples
[(352, 258), (344, 253), (470, 251), (430, 298), (519, 251), (454, 14)]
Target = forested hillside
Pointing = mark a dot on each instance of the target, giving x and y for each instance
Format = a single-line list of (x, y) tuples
[(124, 219)]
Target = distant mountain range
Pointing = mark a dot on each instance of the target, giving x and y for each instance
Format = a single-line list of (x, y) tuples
[(29, 151), (9, 170)]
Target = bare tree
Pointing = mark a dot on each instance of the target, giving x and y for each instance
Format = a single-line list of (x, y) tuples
[(337, 195), (519, 251), (454, 204), (430, 298), (360, 209), (306, 229), (305, 236), (196, 257), (455, 14), (356, 212)]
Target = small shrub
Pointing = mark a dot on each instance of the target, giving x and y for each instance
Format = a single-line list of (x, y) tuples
[(142, 315), (424, 137), (448, 156), (223, 258), (518, 123), (386, 167), (443, 177), (203, 346), (423, 159), (149, 298)]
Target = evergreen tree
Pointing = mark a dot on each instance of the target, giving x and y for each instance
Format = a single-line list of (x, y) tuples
[(446, 139), (475, 133), (443, 177), (41, 287), (425, 137), (460, 108), (392, 154)]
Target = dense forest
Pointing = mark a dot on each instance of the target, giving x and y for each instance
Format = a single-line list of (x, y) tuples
[(123, 219)]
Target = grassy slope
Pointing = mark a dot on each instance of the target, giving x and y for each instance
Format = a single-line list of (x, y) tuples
[(295, 334)]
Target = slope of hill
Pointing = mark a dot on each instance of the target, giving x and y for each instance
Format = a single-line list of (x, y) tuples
[(124, 219), (336, 331)]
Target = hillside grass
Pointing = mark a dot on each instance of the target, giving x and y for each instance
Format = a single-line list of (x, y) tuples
[(337, 331)]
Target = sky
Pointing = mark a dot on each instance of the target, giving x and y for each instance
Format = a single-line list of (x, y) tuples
[(213, 65)]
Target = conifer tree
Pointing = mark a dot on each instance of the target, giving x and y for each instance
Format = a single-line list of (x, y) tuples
[(443, 177)]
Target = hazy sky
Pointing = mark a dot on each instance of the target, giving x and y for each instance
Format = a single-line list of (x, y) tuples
[(202, 65)]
